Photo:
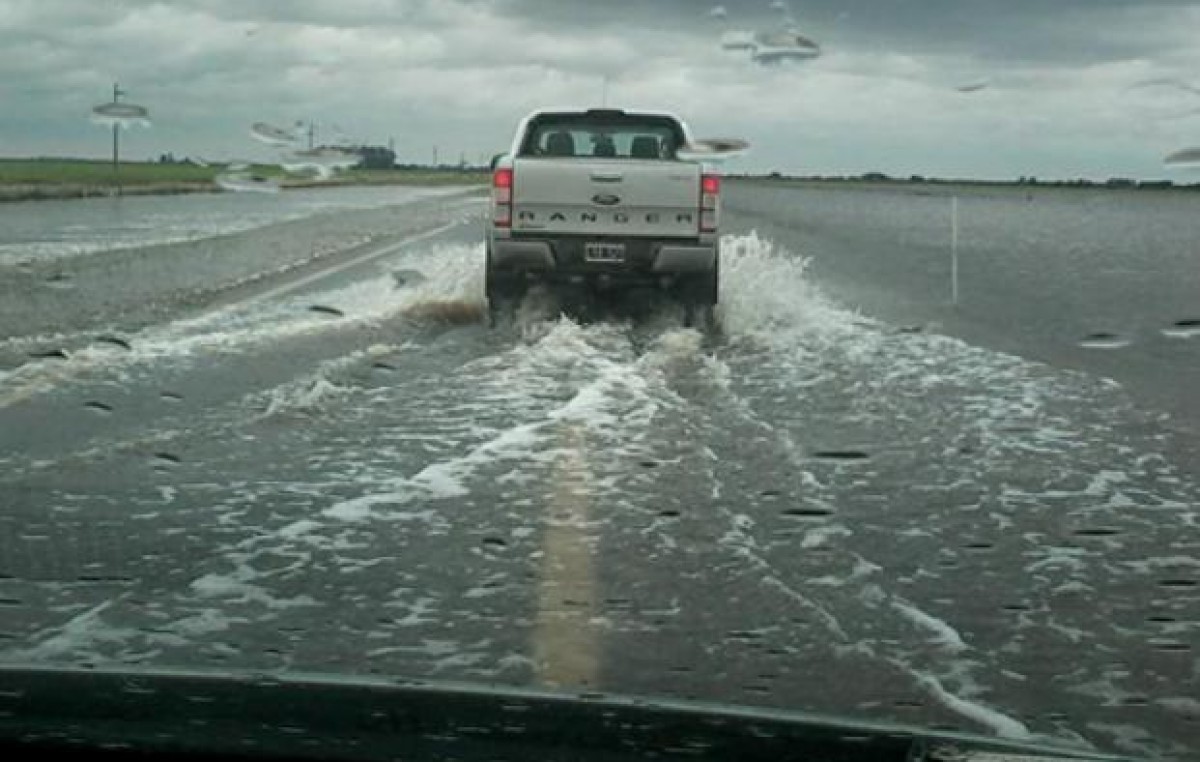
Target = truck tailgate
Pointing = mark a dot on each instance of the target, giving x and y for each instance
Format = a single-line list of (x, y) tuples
[(606, 197)]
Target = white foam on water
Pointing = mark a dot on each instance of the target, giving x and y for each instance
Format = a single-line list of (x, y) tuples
[(998, 722), (324, 386), (237, 588), (821, 536), (603, 392), (79, 637), (943, 634), (1183, 705), (453, 276), (297, 529)]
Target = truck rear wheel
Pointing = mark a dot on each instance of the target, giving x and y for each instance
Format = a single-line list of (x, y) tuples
[(504, 290), (698, 294)]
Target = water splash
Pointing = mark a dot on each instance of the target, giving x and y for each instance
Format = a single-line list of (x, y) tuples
[(766, 294)]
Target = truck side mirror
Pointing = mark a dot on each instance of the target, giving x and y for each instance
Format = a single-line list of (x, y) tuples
[(496, 160)]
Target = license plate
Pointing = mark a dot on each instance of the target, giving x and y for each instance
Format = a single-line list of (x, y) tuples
[(604, 252)]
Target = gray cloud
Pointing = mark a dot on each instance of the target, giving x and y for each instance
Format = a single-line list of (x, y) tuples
[(458, 73)]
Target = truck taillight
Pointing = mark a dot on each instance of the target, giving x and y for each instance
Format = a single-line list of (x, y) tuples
[(502, 188), (710, 199)]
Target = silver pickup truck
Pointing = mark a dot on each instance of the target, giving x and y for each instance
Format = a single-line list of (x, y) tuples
[(600, 198)]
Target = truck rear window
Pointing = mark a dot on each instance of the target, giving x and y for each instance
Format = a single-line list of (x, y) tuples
[(603, 136)]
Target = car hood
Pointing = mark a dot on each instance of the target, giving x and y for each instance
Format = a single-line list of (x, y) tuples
[(369, 718)]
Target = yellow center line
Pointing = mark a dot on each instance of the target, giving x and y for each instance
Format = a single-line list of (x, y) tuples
[(565, 643)]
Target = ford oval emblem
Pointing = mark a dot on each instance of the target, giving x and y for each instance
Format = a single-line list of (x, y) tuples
[(606, 199)]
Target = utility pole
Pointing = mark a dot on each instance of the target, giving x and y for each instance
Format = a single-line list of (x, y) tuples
[(312, 132), (116, 153), (435, 163)]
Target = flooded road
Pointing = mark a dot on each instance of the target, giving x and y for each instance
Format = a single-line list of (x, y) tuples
[(264, 452)]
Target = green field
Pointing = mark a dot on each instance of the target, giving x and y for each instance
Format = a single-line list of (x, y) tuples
[(59, 178)]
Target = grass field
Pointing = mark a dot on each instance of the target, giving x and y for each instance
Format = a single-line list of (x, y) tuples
[(64, 178)]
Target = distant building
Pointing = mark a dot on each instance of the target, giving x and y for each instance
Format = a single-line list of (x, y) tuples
[(376, 157)]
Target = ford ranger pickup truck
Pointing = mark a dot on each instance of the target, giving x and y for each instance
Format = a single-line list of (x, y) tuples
[(601, 198)]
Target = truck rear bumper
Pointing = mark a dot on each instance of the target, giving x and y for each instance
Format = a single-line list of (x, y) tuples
[(685, 259), (566, 257)]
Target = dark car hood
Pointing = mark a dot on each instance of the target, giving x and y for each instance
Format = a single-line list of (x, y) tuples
[(366, 718)]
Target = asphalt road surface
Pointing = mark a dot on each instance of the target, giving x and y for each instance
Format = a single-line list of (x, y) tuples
[(298, 447)]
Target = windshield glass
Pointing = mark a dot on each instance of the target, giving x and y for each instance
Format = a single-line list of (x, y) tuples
[(629, 136), (861, 381)]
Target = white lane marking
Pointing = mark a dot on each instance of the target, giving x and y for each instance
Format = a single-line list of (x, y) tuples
[(565, 643), (369, 255)]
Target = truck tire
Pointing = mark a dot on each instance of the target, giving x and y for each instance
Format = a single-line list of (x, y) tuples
[(699, 294), (504, 290)]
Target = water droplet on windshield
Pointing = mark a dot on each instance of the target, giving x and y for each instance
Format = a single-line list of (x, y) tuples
[(1179, 582), (326, 310), (167, 457), (495, 543), (1097, 532), (48, 354), (1183, 329), (272, 135), (244, 182), (171, 396), (1170, 646), (840, 454), (402, 278), (649, 464), (115, 341), (384, 366), (669, 513), (1104, 340), (99, 407), (806, 512), (1186, 157)]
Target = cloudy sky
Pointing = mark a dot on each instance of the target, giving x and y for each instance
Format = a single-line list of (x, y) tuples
[(1074, 88)]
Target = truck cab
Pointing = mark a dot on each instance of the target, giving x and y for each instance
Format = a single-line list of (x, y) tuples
[(600, 198)]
